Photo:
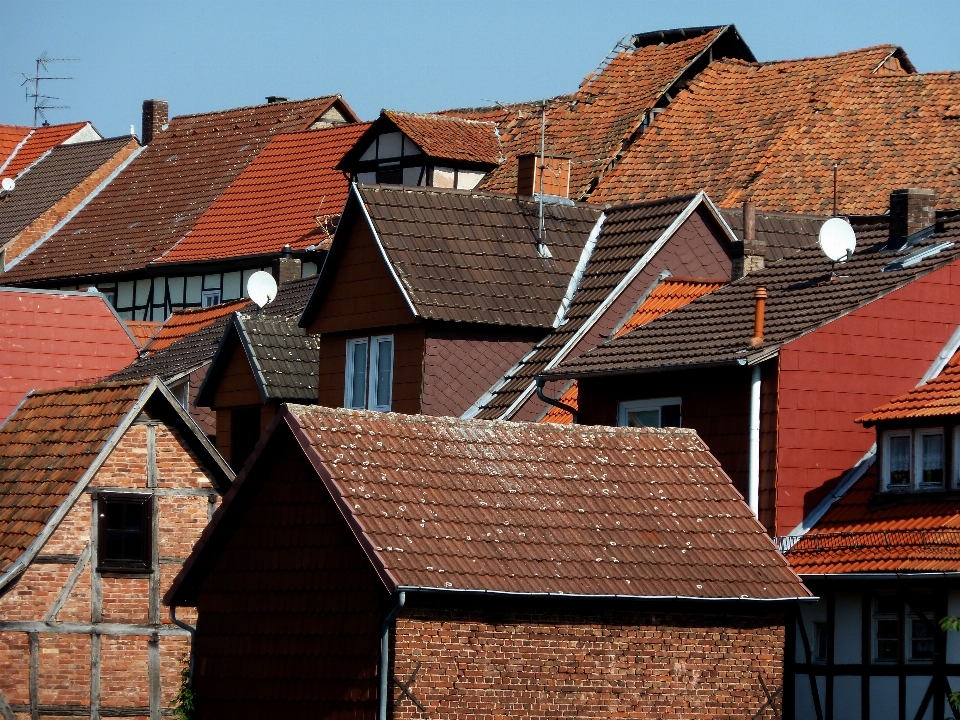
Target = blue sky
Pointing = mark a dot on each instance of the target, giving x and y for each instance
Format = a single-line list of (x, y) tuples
[(209, 55)]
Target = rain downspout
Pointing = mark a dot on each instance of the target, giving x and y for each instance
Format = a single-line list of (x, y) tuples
[(193, 635), (385, 653), (556, 403), (753, 473)]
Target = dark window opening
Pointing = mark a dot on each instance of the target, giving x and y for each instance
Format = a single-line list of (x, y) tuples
[(819, 642), (390, 176), (124, 523), (244, 434)]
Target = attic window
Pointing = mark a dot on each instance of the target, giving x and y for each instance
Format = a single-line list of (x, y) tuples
[(123, 531), (656, 412), (913, 460)]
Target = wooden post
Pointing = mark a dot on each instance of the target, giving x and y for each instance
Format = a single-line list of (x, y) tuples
[(153, 669), (96, 608), (34, 639), (6, 712), (153, 646)]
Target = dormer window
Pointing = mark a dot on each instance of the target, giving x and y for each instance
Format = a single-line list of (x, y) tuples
[(913, 460)]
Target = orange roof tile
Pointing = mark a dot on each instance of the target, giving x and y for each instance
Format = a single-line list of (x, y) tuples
[(671, 293), (186, 322), (936, 398), (773, 132), (595, 123), (40, 141), (450, 138), (10, 137), (896, 534), (142, 330), (275, 201)]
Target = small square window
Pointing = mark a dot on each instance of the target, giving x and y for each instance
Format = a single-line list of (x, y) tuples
[(210, 297), (657, 412), (124, 523)]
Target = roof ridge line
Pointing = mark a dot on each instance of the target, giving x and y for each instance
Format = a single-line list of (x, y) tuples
[(258, 105)]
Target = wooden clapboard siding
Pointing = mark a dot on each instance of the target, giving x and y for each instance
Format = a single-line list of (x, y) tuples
[(237, 386), (362, 293)]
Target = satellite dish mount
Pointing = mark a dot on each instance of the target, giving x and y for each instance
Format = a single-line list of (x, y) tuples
[(837, 241), (262, 288)]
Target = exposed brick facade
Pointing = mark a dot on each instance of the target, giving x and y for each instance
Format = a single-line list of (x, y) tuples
[(185, 499), (499, 662)]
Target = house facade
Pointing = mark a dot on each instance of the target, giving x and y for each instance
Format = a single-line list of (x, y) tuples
[(103, 491)]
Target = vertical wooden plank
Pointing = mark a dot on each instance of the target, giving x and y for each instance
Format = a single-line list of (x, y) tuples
[(94, 676), (153, 612), (6, 712), (151, 455), (34, 639), (153, 669), (96, 607)]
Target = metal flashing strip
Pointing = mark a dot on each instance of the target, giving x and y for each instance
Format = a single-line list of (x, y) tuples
[(949, 350), (16, 150), (917, 256), (577, 276), (28, 168), (80, 206), (609, 300), (590, 596), (846, 482)]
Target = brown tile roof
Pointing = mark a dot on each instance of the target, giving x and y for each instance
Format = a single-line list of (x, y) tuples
[(445, 504), (38, 141), (595, 123), (628, 233), (468, 256), (864, 532), (52, 178), (158, 198), (276, 200), (53, 441), (938, 397), (783, 233), (189, 320), (718, 328), (773, 131), (46, 446)]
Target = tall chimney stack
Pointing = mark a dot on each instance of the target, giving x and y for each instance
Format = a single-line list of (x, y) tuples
[(156, 113), (748, 255), (286, 267), (911, 210)]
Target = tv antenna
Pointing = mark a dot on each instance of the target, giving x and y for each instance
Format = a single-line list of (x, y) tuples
[(32, 87), (837, 241)]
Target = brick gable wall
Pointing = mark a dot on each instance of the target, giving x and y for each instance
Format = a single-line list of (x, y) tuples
[(186, 499)]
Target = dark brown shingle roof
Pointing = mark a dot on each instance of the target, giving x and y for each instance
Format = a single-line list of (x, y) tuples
[(801, 297), (156, 200), (783, 233), (529, 508)]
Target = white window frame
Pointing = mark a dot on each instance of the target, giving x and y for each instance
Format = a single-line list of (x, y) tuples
[(215, 295), (918, 458), (371, 379), (373, 375), (908, 617), (624, 408), (886, 460)]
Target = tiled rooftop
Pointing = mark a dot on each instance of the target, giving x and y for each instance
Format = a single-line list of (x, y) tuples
[(801, 296), (531, 508), (288, 195), (158, 198), (10, 137), (781, 233), (142, 330), (938, 397), (189, 320), (45, 448), (40, 140)]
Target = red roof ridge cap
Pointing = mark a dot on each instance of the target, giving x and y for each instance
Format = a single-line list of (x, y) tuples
[(86, 387)]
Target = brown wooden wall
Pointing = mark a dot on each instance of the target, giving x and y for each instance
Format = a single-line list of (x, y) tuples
[(289, 615), (363, 293), (237, 386), (407, 366)]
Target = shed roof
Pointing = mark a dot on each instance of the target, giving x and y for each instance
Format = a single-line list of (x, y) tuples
[(157, 199), (600, 119), (280, 199), (51, 179), (527, 508), (52, 338), (468, 256), (801, 297), (54, 442)]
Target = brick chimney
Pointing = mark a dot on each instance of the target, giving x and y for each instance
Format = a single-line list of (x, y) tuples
[(556, 175), (156, 113), (286, 267), (911, 210), (748, 255)]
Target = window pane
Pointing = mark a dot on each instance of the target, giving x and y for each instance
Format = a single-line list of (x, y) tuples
[(899, 461), (384, 372), (644, 418), (358, 360), (888, 605), (887, 645), (921, 640), (931, 459), (123, 530), (819, 642)]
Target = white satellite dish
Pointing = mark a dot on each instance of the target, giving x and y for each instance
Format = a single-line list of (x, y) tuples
[(262, 288), (837, 239), (7, 185)]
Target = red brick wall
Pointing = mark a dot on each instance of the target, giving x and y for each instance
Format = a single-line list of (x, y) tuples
[(64, 659), (623, 663)]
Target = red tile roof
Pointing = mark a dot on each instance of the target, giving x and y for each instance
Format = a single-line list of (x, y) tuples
[(142, 330), (50, 339), (10, 137), (452, 504), (936, 398), (276, 201), (594, 124), (893, 534), (449, 138), (40, 141), (157, 199), (186, 322), (773, 132), (671, 293)]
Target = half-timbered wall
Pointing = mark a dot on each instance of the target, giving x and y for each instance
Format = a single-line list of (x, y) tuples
[(78, 642)]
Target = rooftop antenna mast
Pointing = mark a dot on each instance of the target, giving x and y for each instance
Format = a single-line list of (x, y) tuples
[(40, 105), (543, 136)]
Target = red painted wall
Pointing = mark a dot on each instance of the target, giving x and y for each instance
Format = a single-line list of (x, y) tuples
[(833, 375)]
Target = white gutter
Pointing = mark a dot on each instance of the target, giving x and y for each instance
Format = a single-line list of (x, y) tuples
[(70, 215), (577, 276), (753, 473)]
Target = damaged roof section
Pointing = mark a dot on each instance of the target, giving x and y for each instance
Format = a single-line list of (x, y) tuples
[(527, 508)]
